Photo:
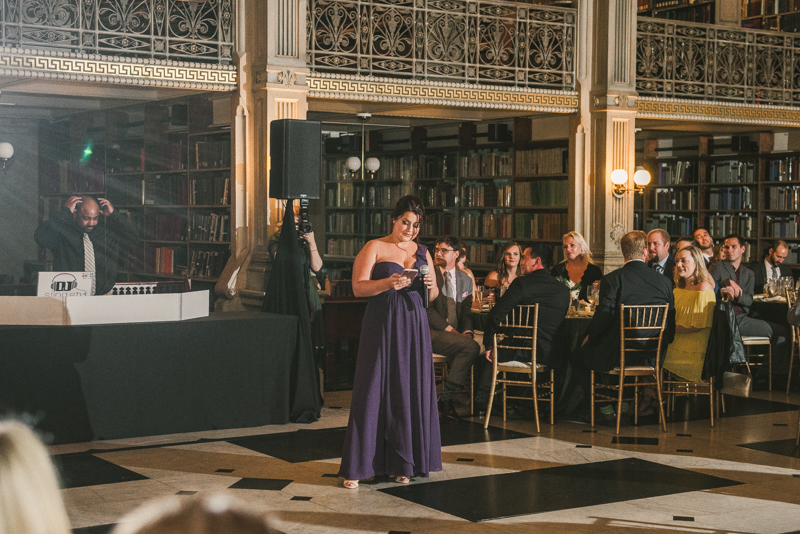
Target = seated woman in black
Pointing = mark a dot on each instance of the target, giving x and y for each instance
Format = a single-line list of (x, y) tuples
[(577, 265)]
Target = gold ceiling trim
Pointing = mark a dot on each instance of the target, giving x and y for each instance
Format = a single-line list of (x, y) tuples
[(125, 71), (699, 110), (345, 87)]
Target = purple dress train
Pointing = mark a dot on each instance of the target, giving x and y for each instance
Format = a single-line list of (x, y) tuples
[(394, 420)]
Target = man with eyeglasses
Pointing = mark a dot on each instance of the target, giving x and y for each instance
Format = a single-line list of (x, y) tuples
[(450, 321)]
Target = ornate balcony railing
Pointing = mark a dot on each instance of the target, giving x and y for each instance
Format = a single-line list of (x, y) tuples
[(456, 41), (176, 30), (708, 62)]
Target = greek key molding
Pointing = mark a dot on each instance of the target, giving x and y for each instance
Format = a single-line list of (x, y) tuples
[(343, 87), (125, 71), (680, 109)]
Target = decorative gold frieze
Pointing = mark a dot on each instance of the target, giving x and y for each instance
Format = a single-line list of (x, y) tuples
[(126, 71), (698, 110), (438, 93)]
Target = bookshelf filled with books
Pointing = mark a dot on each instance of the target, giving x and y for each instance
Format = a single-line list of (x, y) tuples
[(484, 182), (166, 167), (778, 15), (744, 184), (681, 10)]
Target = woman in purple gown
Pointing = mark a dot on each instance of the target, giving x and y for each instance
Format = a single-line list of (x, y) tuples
[(394, 419)]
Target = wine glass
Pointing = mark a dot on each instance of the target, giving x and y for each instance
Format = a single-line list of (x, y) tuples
[(592, 293)]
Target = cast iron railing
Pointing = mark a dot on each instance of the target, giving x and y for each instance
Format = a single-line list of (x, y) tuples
[(459, 41), (710, 62), (177, 30)]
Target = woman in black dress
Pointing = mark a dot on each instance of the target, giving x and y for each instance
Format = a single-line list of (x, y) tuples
[(577, 265)]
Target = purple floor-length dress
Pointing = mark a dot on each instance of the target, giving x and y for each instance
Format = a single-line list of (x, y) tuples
[(394, 420)]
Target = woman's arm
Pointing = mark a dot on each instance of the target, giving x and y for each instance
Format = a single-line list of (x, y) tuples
[(362, 271), (492, 280)]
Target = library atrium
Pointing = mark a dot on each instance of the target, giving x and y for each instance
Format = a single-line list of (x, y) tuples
[(208, 371)]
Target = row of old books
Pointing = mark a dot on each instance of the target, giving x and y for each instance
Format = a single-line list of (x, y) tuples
[(167, 260), (546, 226), (165, 227), (787, 227), (438, 223), (784, 198), (486, 224), (721, 225), (551, 193), (437, 196), (730, 198), (166, 190), (212, 154), (344, 246), (213, 227), (343, 223), (677, 173), (480, 163), (344, 196), (674, 199), (207, 263), (542, 161), (215, 191), (674, 225)]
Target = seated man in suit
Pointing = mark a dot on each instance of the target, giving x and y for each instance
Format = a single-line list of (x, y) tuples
[(738, 282), (537, 286), (450, 320), (658, 252), (706, 243), (772, 267), (632, 284)]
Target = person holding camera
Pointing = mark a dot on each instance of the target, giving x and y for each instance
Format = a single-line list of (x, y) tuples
[(305, 235), (81, 240)]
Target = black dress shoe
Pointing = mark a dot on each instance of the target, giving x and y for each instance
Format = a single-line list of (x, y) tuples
[(447, 411)]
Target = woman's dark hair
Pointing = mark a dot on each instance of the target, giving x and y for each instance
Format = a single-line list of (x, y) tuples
[(409, 203)]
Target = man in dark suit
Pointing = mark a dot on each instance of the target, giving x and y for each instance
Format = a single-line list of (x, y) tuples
[(738, 282), (632, 284), (450, 320), (772, 267), (658, 252), (537, 286)]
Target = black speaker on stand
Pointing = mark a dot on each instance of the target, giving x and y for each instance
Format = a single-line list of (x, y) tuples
[(294, 149)]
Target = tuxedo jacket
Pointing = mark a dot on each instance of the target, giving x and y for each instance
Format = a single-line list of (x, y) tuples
[(437, 310), (669, 268), (632, 284), (538, 287), (760, 272), (723, 271)]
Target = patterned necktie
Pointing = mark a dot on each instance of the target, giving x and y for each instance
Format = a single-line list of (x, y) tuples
[(452, 315), (88, 258), (659, 268), (775, 275)]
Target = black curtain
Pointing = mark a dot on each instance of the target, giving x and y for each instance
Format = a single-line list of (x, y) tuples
[(287, 294)]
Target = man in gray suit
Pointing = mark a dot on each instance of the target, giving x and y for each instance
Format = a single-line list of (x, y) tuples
[(738, 282), (450, 320)]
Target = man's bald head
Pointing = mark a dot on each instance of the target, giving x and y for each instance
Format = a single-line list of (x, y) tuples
[(87, 214)]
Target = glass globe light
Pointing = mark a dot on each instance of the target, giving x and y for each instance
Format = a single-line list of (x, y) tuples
[(353, 163), (641, 177), (372, 164), (6, 150), (619, 176)]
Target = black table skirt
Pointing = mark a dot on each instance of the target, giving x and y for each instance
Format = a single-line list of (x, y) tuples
[(228, 370)]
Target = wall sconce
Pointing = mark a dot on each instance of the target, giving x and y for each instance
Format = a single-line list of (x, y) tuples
[(6, 151), (372, 165), (619, 177), (353, 164)]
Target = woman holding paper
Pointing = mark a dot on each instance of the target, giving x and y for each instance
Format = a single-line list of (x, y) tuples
[(394, 419)]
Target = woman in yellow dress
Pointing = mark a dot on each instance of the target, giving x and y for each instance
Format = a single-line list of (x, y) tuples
[(694, 312)]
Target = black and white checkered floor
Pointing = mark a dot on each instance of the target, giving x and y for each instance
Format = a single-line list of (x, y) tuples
[(741, 476)]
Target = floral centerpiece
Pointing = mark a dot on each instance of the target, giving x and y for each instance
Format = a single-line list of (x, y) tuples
[(574, 287)]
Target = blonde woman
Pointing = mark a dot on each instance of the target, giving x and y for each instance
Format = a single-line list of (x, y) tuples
[(694, 312), (577, 266), (30, 501), (508, 267), (201, 515)]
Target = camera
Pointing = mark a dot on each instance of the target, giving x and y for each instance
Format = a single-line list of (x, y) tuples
[(304, 225)]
